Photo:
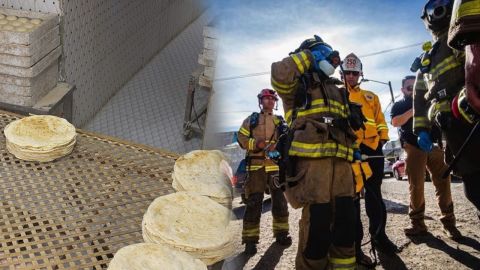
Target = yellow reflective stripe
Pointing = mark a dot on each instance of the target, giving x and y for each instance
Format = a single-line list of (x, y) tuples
[(440, 65), (318, 106), (382, 127), (271, 168), (305, 59), (299, 63), (322, 109), (462, 96), (444, 66), (468, 9), (420, 121), (288, 116), (445, 69), (251, 144), (443, 106), (342, 260), (252, 168), (244, 131), (276, 120), (345, 261), (251, 232), (283, 88), (314, 145), (332, 102), (301, 60), (318, 150), (280, 226)]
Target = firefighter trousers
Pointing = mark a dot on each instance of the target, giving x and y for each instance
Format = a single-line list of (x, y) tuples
[(417, 162), (254, 205), (467, 165), (326, 228)]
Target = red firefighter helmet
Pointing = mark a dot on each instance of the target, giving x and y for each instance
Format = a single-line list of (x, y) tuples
[(267, 93)]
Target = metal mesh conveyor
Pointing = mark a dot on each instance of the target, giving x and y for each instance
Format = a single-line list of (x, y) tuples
[(76, 212)]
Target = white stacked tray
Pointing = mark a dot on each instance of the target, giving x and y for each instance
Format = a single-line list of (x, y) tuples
[(29, 55)]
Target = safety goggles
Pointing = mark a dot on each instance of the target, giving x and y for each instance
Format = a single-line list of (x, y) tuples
[(354, 73), (333, 57), (436, 9)]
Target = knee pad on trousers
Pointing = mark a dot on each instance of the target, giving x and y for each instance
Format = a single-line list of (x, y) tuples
[(319, 235), (344, 226)]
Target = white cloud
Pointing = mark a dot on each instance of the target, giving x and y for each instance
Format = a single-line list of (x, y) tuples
[(250, 50)]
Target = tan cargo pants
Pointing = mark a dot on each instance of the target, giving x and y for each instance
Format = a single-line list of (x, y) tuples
[(417, 162)]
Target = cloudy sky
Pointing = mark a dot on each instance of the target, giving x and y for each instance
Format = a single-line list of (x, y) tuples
[(253, 34)]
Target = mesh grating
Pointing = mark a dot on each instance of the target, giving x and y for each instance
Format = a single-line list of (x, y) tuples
[(76, 212)]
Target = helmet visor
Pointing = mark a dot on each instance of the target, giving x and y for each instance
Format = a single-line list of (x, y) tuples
[(436, 9)]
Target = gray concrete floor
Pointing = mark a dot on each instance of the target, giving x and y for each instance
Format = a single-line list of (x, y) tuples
[(149, 109)]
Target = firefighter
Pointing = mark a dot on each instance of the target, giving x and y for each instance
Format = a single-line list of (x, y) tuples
[(371, 139), (464, 34), (440, 98), (416, 162), (258, 135), (320, 149)]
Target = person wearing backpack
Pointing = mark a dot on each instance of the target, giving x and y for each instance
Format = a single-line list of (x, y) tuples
[(258, 136)]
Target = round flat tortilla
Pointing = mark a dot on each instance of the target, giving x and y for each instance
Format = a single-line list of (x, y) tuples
[(41, 138), (148, 256), (190, 222), (40, 132), (200, 171)]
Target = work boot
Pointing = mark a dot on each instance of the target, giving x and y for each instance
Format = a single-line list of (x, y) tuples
[(383, 244), (364, 260), (283, 239), (250, 248), (452, 232), (416, 229)]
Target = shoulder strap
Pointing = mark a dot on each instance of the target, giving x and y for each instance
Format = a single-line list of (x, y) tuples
[(253, 122)]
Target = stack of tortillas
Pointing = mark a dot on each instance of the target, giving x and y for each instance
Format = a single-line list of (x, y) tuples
[(202, 172), (146, 256), (40, 138), (192, 223)]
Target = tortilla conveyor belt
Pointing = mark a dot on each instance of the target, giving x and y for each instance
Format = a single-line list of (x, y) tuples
[(76, 212)]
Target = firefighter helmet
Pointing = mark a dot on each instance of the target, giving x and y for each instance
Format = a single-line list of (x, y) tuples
[(436, 14), (352, 63), (267, 93)]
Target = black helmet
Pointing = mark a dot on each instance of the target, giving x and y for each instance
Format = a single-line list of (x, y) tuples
[(437, 13), (310, 43)]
